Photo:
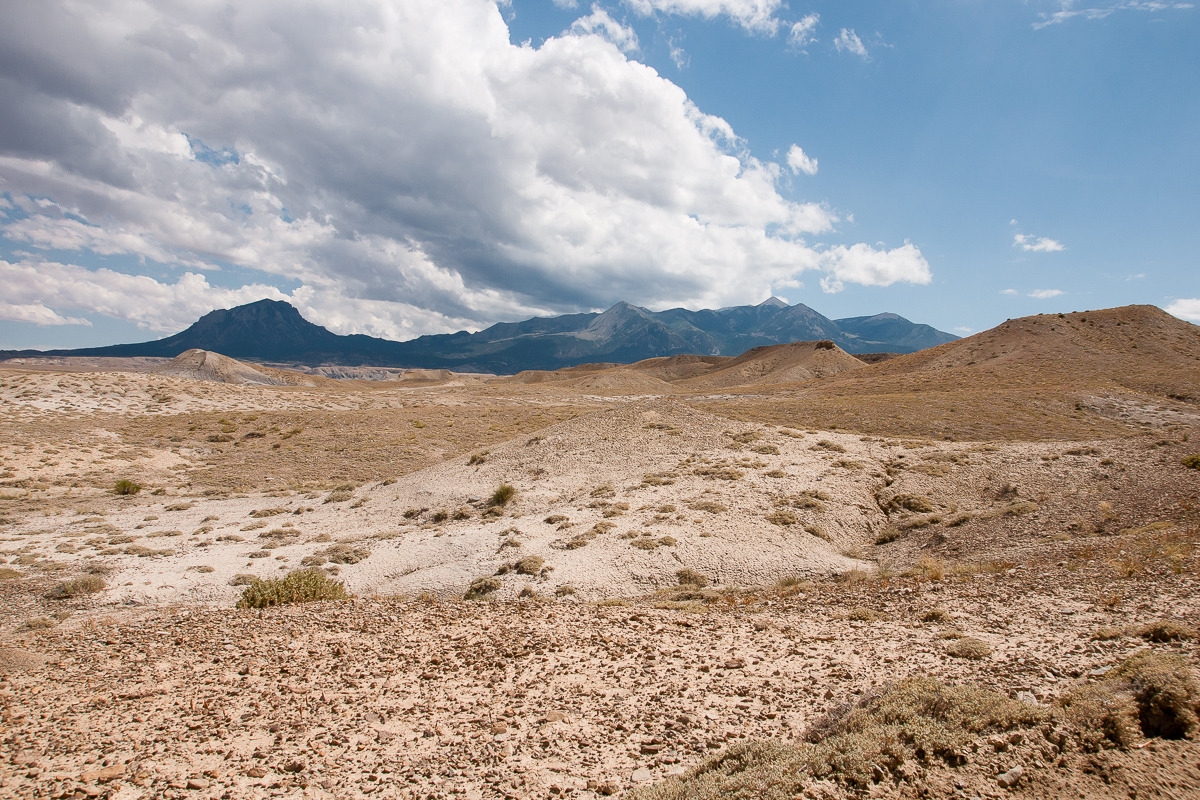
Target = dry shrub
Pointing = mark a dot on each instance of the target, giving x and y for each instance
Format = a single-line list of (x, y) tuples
[(530, 565), (564, 590), (8, 573), (690, 577), (825, 444), (1192, 461), (817, 531), (864, 614), (1149, 694), (936, 614), (970, 648), (747, 437), (767, 449), (266, 512), (77, 587), (910, 502), (343, 553), (477, 458), (784, 517), (658, 479), (126, 487), (302, 586), (481, 587), (1166, 630), (339, 496), (604, 490), (554, 519), (708, 506), (1108, 634), (916, 719), (725, 473), (888, 535), (244, 579)]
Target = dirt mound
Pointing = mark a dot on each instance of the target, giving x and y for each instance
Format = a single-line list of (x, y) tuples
[(678, 368), (203, 365), (625, 381), (781, 363), (1135, 347)]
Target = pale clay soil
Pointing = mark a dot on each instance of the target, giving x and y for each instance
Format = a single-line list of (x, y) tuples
[(157, 687)]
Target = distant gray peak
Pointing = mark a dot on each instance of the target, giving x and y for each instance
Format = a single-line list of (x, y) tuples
[(773, 301)]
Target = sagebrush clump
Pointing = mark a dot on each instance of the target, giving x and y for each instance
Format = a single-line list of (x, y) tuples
[(77, 587), (302, 586), (126, 487), (503, 495)]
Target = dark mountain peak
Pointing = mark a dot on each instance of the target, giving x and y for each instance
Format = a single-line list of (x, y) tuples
[(772, 302)]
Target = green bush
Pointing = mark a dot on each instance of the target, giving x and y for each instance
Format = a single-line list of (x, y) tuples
[(503, 495), (1192, 461), (302, 586), (126, 487)]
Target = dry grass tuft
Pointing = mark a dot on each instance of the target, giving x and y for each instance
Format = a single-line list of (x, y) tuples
[(77, 587), (126, 487), (1192, 461), (690, 577), (302, 586)]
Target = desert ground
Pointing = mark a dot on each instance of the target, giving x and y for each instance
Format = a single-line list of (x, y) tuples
[(966, 572)]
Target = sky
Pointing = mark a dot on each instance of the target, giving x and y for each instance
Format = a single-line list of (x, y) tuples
[(406, 167)]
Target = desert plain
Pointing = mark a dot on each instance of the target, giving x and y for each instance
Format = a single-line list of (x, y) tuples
[(967, 572)]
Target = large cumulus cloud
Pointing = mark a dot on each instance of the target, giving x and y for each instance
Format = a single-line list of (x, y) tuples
[(410, 167)]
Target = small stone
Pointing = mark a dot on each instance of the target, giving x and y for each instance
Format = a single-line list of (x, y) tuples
[(498, 727), (641, 775), (501, 737), (293, 766), (256, 772), (555, 716), (1010, 778), (197, 783)]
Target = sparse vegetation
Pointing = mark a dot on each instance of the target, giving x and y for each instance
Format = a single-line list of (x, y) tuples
[(1192, 461), (477, 458), (503, 495), (530, 565), (126, 487), (1149, 694), (917, 719), (690, 577), (482, 587), (302, 586), (708, 506), (969, 648), (783, 517), (78, 587)]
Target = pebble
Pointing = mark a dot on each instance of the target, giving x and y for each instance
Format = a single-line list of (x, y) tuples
[(1009, 779)]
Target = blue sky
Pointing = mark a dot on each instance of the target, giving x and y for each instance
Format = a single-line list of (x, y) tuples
[(399, 168)]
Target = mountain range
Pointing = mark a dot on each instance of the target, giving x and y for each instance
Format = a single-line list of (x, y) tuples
[(274, 331)]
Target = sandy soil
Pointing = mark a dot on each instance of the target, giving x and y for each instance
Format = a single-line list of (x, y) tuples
[(589, 670)]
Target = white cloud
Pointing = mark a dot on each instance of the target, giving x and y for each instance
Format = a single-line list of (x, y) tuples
[(1037, 244), (864, 265), (1045, 294), (803, 32), (1067, 10), (601, 24), (758, 16), (1186, 308), (405, 164), (1009, 292), (963, 329), (848, 41), (800, 162)]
